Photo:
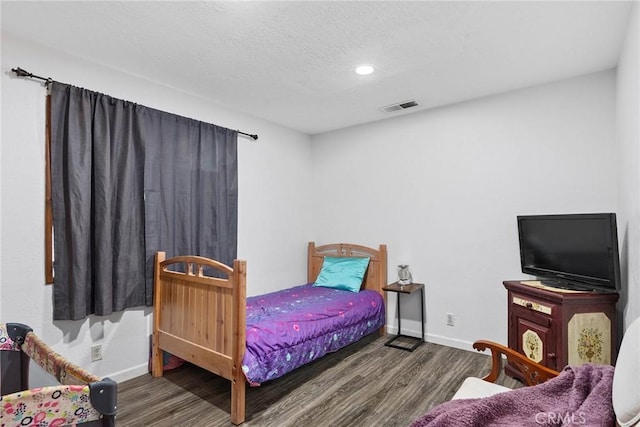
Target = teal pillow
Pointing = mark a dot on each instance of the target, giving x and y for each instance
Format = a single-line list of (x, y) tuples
[(342, 273)]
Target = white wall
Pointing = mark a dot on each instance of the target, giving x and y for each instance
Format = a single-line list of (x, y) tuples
[(628, 139), (274, 203), (443, 187)]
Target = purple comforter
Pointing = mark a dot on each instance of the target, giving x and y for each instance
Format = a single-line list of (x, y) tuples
[(579, 396), (291, 327)]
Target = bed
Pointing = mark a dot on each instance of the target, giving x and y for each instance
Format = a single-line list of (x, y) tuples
[(202, 315), (79, 397)]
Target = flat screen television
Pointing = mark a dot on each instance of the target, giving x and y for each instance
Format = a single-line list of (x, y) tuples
[(575, 251)]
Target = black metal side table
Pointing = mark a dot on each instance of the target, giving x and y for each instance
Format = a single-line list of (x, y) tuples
[(406, 289)]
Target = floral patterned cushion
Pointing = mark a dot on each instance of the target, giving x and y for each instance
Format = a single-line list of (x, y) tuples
[(48, 407)]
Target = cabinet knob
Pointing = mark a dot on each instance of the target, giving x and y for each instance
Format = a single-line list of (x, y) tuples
[(529, 305), (551, 355)]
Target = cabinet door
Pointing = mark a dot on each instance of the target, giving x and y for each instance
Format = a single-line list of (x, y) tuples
[(535, 337), (589, 339)]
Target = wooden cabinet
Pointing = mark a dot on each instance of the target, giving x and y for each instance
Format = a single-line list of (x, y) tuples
[(558, 327)]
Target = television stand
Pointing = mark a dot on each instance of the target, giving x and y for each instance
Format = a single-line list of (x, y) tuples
[(558, 327)]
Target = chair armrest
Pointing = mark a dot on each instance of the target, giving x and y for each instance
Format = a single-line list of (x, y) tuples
[(533, 373)]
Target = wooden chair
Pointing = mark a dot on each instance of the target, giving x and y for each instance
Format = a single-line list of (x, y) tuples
[(532, 372), (626, 377)]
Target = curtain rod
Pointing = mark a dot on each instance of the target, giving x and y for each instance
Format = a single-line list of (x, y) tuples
[(48, 80)]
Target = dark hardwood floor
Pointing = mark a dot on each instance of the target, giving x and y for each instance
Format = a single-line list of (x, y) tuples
[(366, 384)]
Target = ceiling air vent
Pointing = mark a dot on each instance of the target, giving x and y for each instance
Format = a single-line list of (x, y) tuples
[(399, 106)]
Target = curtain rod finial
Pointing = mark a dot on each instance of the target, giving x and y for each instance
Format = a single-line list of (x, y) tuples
[(21, 73), (252, 136), (24, 73)]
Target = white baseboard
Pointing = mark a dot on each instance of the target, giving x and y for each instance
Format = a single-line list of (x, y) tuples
[(130, 373), (450, 342), (435, 339)]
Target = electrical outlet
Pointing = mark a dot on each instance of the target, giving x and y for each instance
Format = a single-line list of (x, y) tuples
[(451, 319), (96, 352)]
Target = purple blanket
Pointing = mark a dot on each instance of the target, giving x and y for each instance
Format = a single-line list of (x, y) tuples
[(289, 328), (579, 396)]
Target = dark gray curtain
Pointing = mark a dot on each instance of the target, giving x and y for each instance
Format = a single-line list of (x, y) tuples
[(191, 190), (127, 181)]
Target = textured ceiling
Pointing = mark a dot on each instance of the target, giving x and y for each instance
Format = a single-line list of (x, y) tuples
[(292, 62)]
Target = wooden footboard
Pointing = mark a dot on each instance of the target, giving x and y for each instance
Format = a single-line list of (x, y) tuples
[(202, 319)]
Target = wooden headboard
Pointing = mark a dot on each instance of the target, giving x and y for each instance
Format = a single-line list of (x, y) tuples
[(375, 277)]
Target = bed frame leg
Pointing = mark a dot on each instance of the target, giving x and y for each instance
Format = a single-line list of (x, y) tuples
[(156, 358), (157, 364), (238, 388)]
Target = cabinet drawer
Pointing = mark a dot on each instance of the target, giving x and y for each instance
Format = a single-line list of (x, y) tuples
[(532, 304)]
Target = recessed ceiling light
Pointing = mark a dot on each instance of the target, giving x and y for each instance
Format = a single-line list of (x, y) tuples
[(364, 70)]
